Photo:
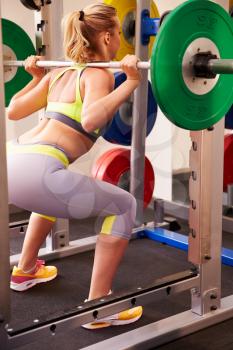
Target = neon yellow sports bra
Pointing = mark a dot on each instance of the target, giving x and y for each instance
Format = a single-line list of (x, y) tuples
[(70, 113)]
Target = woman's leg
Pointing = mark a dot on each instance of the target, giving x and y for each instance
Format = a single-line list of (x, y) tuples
[(108, 254), (55, 191), (110, 248), (86, 197), (30, 270), (38, 229)]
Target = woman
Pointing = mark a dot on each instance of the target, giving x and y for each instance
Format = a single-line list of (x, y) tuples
[(79, 102)]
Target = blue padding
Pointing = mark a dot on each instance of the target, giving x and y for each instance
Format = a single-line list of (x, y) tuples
[(149, 27), (227, 256), (179, 241), (120, 132), (229, 119), (170, 238)]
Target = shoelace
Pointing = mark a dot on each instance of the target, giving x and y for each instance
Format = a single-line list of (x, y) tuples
[(39, 263)]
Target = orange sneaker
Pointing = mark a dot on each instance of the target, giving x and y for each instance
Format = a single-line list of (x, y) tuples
[(21, 281), (120, 319)]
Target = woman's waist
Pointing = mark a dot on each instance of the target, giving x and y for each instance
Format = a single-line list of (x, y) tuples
[(41, 148), (73, 122), (69, 141)]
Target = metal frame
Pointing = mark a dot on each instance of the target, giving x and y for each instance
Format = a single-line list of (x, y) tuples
[(204, 250), (229, 196), (205, 215), (48, 30), (180, 210), (4, 246), (179, 241), (206, 160), (50, 252), (17, 228), (139, 119), (166, 330), (83, 313)]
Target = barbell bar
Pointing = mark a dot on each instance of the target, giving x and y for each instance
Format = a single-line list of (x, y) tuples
[(48, 64), (191, 65), (216, 66)]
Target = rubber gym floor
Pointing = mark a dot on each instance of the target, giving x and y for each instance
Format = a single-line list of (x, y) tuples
[(144, 262)]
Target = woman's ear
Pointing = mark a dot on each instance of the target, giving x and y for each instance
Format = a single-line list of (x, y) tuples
[(107, 38)]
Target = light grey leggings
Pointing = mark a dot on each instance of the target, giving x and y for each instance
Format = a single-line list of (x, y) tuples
[(39, 181)]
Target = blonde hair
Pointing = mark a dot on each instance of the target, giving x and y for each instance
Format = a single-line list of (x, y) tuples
[(81, 29)]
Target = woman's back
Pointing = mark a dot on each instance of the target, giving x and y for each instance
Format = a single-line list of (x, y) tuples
[(77, 106), (53, 131)]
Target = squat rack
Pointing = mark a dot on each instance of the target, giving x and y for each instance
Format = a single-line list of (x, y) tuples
[(207, 307), (4, 246)]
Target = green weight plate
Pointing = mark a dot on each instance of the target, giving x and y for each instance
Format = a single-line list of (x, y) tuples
[(192, 20), (19, 42)]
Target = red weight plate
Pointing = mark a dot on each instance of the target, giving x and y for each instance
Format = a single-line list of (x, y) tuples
[(149, 182), (103, 159), (228, 161), (111, 165)]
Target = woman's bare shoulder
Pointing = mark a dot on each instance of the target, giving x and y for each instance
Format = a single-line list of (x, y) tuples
[(56, 71), (98, 76)]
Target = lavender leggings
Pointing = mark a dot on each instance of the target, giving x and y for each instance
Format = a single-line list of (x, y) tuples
[(39, 181)]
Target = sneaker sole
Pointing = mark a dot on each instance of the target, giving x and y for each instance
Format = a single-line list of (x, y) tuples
[(98, 325), (29, 284)]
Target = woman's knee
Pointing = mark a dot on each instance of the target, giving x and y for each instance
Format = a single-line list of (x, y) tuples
[(130, 202), (121, 225), (133, 206)]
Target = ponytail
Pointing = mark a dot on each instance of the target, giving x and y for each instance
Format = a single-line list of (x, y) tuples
[(81, 29)]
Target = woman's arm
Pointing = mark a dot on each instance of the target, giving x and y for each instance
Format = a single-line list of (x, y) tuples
[(32, 97), (32, 83), (101, 102)]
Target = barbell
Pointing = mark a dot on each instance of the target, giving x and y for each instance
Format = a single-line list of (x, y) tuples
[(208, 67), (191, 65), (212, 66)]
